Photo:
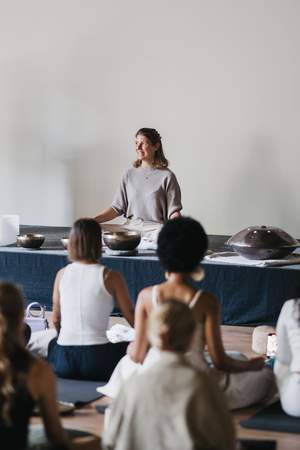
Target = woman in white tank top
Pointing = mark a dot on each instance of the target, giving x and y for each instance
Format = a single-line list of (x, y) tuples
[(82, 303), (182, 244)]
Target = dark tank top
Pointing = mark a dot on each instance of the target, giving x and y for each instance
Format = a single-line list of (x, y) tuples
[(14, 436)]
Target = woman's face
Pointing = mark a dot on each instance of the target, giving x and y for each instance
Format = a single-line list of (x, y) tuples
[(144, 149)]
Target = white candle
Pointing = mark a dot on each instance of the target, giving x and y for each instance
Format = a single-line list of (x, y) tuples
[(9, 228)]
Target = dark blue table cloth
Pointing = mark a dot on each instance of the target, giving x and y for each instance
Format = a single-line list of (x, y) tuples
[(248, 295)]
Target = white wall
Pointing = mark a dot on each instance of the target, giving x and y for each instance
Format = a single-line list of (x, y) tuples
[(218, 78)]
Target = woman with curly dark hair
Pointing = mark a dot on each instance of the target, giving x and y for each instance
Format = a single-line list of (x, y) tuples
[(182, 244)]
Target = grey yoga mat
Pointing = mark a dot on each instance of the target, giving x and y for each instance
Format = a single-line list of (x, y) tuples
[(273, 418), (78, 392)]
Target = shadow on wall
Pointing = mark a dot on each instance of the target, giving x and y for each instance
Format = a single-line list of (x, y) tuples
[(260, 175)]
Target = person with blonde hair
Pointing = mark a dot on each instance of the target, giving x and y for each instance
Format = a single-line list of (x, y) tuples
[(172, 405), (24, 379)]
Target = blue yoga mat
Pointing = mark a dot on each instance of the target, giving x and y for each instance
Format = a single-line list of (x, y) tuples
[(273, 418), (78, 392)]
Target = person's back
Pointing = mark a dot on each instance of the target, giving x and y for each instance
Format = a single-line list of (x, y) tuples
[(24, 380), (172, 405), (83, 299), (84, 302), (14, 425)]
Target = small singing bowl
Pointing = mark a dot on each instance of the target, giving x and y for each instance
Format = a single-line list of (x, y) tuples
[(30, 240), (65, 241), (122, 240)]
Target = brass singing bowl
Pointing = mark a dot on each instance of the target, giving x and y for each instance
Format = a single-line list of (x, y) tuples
[(122, 240), (65, 241), (30, 240)]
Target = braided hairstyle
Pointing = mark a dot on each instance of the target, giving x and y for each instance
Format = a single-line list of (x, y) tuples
[(160, 161), (14, 358)]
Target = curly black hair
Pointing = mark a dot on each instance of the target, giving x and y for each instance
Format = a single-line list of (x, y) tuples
[(182, 244)]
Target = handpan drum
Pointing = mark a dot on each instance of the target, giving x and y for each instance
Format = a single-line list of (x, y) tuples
[(262, 242)]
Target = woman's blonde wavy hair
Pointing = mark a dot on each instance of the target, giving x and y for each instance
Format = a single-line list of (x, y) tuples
[(175, 320), (160, 161), (11, 316)]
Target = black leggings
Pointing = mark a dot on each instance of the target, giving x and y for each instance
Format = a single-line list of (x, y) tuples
[(85, 362)]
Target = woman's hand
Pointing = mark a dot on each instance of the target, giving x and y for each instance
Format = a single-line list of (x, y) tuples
[(212, 331), (256, 363), (175, 215), (130, 348)]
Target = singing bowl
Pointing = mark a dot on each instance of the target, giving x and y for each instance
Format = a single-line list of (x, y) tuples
[(64, 242), (122, 240), (262, 242), (30, 240)]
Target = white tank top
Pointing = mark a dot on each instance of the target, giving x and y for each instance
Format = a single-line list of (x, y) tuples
[(85, 305)]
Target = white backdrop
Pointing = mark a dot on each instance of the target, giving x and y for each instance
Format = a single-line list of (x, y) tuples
[(218, 78)]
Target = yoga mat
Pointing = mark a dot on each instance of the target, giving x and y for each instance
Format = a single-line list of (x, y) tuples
[(78, 392), (274, 419), (37, 438), (101, 408), (256, 444)]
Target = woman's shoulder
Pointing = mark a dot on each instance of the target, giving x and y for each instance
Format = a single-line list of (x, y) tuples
[(78, 265), (166, 171), (129, 172), (64, 272), (169, 175), (208, 302), (145, 297), (291, 308), (288, 304), (39, 367), (110, 275)]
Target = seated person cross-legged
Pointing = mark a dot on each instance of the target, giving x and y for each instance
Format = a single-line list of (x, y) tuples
[(172, 405), (182, 244), (287, 363), (24, 380), (82, 303)]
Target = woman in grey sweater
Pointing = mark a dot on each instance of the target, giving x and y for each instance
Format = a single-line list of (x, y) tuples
[(149, 191)]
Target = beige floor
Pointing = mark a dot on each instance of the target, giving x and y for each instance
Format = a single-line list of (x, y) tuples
[(235, 338)]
